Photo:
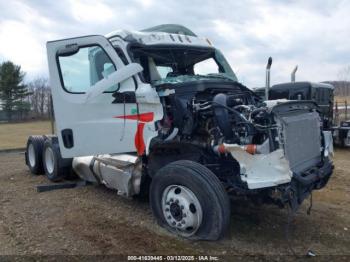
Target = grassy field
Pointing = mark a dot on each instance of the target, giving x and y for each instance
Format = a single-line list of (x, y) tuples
[(341, 99), (15, 135)]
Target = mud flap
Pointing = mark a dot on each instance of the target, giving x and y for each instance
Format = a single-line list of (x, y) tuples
[(296, 193), (51, 187)]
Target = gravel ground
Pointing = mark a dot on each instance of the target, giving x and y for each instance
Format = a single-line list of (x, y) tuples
[(96, 221)]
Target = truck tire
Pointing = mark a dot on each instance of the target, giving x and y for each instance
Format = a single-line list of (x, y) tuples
[(56, 168), (344, 139), (189, 200), (342, 142), (33, 154)]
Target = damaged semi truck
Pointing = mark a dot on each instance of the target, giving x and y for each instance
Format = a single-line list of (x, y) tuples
[(161, 112), (322, 94)]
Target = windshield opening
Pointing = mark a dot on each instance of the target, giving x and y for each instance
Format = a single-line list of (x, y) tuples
[(163, 64)]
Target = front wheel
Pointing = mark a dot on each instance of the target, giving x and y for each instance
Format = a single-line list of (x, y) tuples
[(190, 201)]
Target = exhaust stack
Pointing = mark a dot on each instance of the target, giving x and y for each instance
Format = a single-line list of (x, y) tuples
[(292, 77), (267, 85)]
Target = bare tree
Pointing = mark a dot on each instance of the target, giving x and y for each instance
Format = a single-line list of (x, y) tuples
[(344, 78), (40, 97)]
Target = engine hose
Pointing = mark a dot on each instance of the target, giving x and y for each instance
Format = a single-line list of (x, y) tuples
[(223, 119), (222, 116), (237, 114), (172, 135)]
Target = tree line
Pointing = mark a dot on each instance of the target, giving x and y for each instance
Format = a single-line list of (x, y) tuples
[(19, 100), (343, 86)]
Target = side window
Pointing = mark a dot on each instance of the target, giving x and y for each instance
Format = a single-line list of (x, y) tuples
[(326, 95), (85, 68), (205, 67), (318, 95), (322, 95)]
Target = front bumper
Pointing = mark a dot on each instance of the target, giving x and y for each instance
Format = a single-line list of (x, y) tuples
[(302, 184), (317, 177)]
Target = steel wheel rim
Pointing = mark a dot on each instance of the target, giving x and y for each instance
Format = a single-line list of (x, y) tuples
[(182, 210), (49, 160), (31, 155)]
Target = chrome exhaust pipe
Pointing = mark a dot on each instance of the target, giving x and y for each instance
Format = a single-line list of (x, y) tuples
[(292, 76), (267, 84)]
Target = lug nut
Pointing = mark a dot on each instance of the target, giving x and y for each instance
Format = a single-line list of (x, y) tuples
[(167, 209), (182, 207), (169, 217), (179, 225), (183, 222), (174, 223), (184, 215), (176, 201)]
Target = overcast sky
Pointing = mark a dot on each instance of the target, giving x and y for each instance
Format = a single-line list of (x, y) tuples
[(313, 34)]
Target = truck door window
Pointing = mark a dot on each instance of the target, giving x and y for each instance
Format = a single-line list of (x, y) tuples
[(85, 68)]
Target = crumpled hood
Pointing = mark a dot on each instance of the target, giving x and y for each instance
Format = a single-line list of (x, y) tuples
[(188, 78)]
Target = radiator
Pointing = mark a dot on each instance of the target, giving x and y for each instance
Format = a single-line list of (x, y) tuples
[(302, 140)]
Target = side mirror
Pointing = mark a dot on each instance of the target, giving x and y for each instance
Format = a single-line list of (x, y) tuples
[(114, 78)]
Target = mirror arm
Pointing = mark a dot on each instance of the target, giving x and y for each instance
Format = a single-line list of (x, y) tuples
[(115, 78)]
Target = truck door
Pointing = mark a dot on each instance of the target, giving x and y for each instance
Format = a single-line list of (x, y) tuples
[(85, 72)]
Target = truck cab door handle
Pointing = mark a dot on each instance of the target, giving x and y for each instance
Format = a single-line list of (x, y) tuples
[(67, 137)]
